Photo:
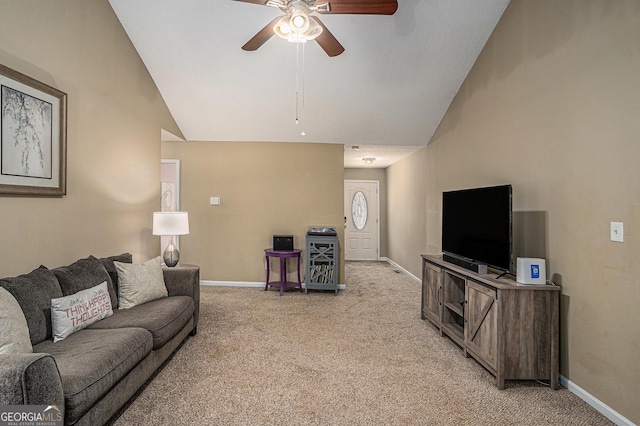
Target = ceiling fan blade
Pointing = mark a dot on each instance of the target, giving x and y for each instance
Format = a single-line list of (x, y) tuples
[(327, 41), (262, 36), (365, 7), (253, 1)]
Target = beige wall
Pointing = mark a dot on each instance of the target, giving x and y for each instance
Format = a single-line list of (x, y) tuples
[(552, 106), (115, 114), (266, 189), (381, 176)]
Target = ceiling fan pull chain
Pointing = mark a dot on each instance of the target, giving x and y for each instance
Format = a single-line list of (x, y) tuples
[(303, 133), (303, 75), (299, 84), (297, 80)]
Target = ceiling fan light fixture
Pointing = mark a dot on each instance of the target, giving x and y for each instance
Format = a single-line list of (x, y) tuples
[(299, 21), (282, 28), (314, 31), (285, 28)]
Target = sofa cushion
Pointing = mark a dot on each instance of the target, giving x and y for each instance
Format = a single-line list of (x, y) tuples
[(14, 331), (73, 313), (163, 318), (91, 362), (140, 283), (82, 275), (34, 292), (111, 268)]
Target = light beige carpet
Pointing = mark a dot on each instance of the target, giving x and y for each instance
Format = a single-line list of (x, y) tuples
[(363, 357)]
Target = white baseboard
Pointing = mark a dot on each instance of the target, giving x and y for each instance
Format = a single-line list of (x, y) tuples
[(395, 265), (603, 408), (231, 283), (246, 284)]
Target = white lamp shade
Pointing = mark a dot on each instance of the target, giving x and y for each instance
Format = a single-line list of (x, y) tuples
[(170, 223)]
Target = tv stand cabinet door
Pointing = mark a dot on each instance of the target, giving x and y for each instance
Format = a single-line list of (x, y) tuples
[(431, 293), (481, 324)]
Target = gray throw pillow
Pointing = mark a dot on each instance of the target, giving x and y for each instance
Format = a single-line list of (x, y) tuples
[(111, 269), (140, 283), (14, 331)]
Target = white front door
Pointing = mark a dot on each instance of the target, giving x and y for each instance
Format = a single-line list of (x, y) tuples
[(361, 220)]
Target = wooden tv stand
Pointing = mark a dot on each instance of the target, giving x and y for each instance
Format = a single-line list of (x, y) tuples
[(509, 328)]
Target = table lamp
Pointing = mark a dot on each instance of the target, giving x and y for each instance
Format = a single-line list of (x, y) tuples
[(170, 224)]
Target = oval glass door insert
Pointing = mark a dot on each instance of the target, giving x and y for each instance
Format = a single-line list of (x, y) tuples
[(359, 210)]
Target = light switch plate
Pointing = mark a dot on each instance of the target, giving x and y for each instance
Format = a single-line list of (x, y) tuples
[(214, 201), (617, 232)]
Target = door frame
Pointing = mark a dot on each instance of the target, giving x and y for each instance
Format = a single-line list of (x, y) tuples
[(377, 182)]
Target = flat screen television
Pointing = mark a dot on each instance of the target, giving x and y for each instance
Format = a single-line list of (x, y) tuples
[(476, 226)]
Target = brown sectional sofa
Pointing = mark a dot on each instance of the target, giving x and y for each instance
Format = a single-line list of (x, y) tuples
[(93, 372)]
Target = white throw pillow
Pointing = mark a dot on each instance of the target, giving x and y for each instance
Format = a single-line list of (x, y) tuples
[(14, 331), (140, 283), (72, 313)]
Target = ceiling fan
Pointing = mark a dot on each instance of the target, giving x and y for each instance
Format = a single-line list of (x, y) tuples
[(299, 26)]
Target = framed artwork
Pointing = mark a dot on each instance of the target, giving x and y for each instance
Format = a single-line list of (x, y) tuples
[(33, 136), (170, 176), (170, 194)]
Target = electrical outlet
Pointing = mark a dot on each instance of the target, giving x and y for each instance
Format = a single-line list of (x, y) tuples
[(617, 232)]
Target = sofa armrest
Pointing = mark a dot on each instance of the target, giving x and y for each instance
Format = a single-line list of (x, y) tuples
[(30, 379), (184, 280)]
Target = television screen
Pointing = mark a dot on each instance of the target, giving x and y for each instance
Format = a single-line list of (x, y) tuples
[(476, 225)]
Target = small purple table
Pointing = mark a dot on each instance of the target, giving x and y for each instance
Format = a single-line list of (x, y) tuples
[(283, 255)]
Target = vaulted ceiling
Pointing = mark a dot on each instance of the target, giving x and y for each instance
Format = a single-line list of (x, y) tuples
[(387, 91)]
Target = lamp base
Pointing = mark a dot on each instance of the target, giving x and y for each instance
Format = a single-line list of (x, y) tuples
[(171, 255)]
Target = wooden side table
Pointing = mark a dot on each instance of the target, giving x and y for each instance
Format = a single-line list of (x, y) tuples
[(283, 255)]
